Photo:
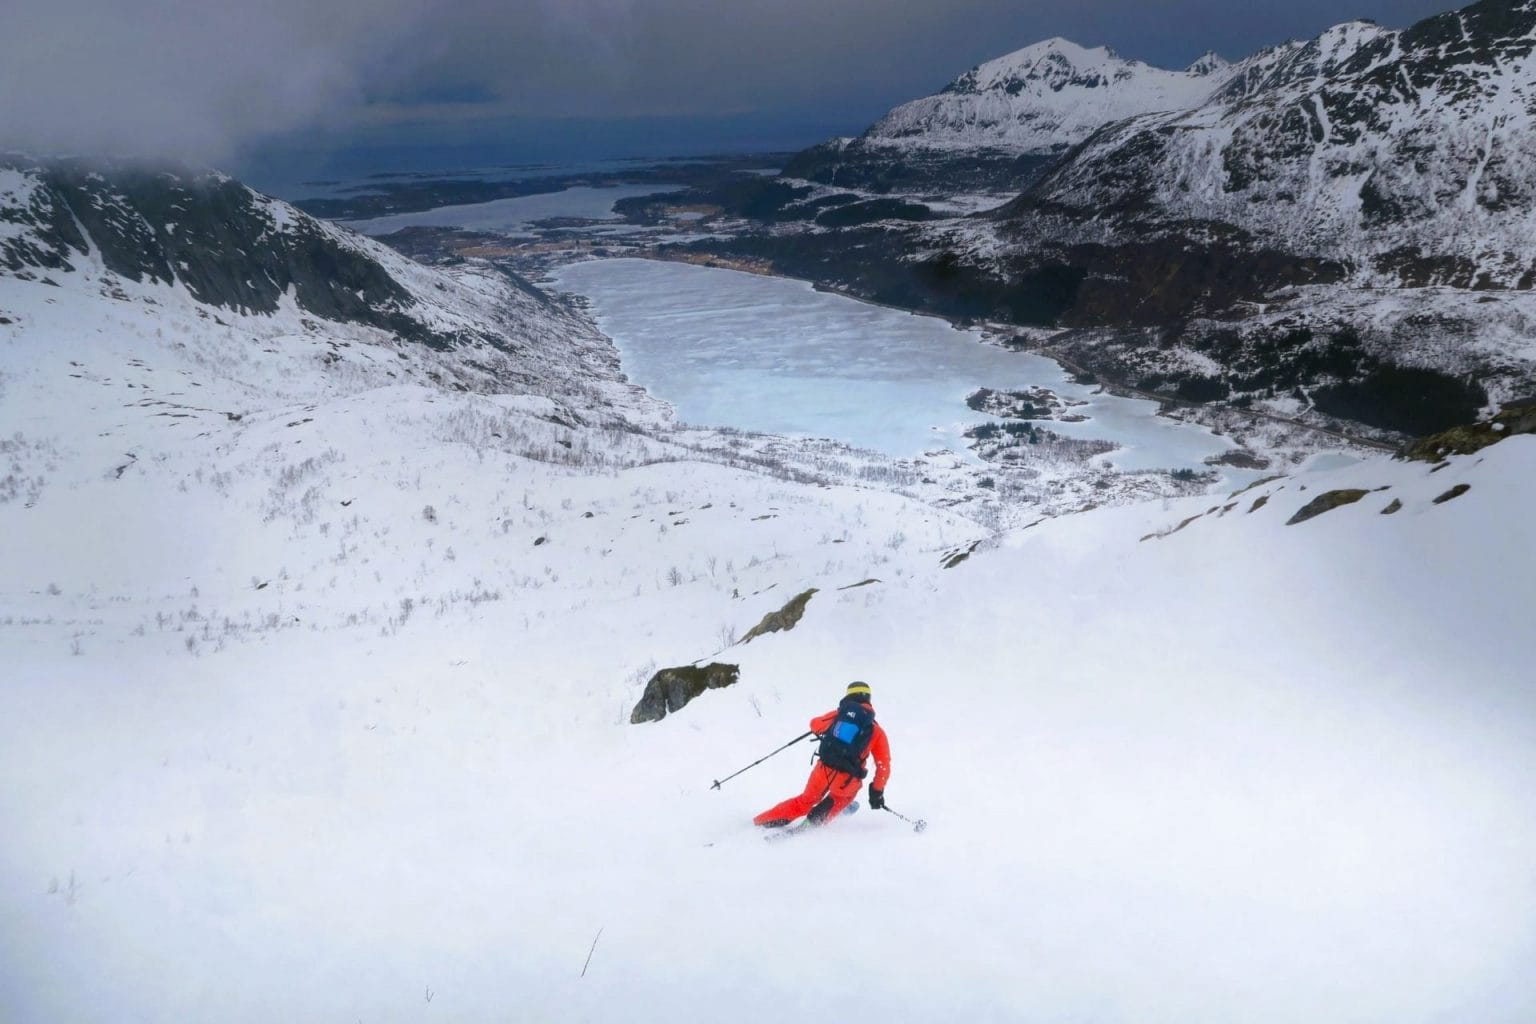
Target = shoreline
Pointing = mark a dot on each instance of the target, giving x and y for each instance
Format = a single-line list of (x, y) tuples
[(989, 331), (1196, 450)]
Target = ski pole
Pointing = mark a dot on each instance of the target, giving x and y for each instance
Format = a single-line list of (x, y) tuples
[(917, 826), (760, 760)]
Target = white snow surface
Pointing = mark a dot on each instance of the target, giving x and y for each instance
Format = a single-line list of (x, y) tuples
[(1045, 98), (321, 713), (512, 216), (16, 192)]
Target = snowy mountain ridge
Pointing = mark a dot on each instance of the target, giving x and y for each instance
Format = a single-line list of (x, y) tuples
[(1406, 154), (1043, 99), (998, 125)]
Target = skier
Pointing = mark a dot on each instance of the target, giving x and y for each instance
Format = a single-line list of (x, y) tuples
[(849, 734)]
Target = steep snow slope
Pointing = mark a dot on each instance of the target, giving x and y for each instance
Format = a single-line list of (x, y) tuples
[(1044, 99), (317, 682)]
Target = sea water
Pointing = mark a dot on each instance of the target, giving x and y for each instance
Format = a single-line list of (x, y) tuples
[(512, 216)]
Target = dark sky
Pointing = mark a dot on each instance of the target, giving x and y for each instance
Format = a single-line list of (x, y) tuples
[(209, 79)]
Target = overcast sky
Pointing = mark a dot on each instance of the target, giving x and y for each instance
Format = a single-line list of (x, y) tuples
[(208, 79)]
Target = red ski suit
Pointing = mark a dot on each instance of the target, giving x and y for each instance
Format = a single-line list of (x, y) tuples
[(829, 782)]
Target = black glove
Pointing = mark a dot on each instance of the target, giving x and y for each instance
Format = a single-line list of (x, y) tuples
[(876, 798)]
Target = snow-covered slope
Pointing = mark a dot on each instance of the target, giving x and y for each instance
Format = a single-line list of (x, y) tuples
[(1044, 99), (321, 713), (998, 126), (162, 249), (318, 671)]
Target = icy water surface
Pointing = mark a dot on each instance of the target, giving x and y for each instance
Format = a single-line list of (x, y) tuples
[(511, 216), (727, 348)]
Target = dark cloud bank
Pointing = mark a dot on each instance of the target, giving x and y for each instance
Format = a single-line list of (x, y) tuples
[(212, 80)]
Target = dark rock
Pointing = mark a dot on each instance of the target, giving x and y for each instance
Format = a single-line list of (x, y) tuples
[(870, 211), (956, 557), (1326, 502), (1515, 418), (1393, 507), (1238, 459), (219, 239), (1454, 492), (785, 618), (672, 688), (869, 165)]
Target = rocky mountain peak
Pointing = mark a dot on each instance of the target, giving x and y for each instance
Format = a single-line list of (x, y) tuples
[(1210, 63), (1052, 63), (1042, 100)]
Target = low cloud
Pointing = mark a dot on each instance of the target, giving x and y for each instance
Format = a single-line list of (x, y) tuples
[(188, 79)]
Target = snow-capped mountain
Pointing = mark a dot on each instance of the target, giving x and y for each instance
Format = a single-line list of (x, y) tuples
[(1044, 99), (1407, 155), (997, 125)]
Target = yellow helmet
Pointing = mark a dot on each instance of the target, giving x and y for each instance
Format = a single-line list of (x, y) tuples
[(857, 689)]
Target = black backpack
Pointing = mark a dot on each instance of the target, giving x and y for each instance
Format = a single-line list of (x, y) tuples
[(847, 738)]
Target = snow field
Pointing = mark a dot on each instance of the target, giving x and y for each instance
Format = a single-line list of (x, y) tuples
[(1236, 771)]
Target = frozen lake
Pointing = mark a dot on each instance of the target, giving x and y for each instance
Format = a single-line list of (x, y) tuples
[(727, 348), (512, 216)]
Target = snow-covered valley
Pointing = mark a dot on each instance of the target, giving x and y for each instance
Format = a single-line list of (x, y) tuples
[(320, 652)]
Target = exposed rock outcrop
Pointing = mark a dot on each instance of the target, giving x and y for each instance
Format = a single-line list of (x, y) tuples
[(1514, 418), (785, 618), (672, 688), (1326, 503)]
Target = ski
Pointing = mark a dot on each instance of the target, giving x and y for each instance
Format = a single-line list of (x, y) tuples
[(793, 830)]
